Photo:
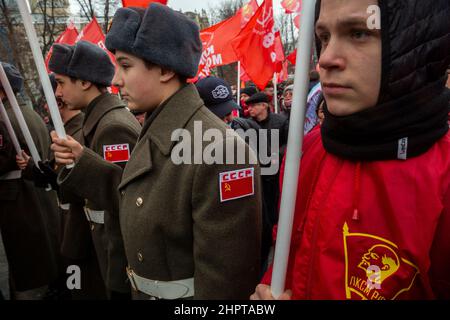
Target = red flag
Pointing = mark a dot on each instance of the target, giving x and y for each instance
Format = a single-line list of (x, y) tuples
[(292, 57), (141, 3), (69, 36), (244, 75), (93, 33), (216, 40), (215, 43), (291, 6), (255, 46), (283, 74), (279, 51), (297, 21)]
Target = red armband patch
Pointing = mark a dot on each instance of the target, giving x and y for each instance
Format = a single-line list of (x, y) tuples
[(236, 184)]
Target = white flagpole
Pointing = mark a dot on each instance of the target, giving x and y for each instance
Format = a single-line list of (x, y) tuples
[(238, 92), (39, 60), (19, 116), (10, 129), (275, 92), (43, 75), (294, 148)]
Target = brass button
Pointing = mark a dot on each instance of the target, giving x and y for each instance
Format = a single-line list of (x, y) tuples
[(139, 201), (140, 257), (122, 193)]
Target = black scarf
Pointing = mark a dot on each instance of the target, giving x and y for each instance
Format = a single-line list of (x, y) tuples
[(379, 133)]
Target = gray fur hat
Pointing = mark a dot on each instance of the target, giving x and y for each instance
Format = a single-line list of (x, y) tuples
[(14, 77), (158, 35), (83, 61)]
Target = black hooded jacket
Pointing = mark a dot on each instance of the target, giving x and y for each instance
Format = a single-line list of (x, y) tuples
[(413, 101)]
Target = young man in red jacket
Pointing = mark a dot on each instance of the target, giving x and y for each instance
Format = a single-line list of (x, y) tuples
[(372, 219)]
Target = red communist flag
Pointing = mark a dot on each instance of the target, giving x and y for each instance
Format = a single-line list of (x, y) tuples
[(297, 21), (281, 67), (69, 36), (93, 33), (279, 51), (244, 76), (292, 57), (255, 46), (282, 64), (283, 74), (141, 3), (291, 6), (216, 40)]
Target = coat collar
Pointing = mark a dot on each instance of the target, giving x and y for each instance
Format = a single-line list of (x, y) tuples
[(74, 124), (98, 108), (174, 114), (142, 165)]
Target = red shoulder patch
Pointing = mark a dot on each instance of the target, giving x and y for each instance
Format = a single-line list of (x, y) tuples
[(116, 152), (236, 184)]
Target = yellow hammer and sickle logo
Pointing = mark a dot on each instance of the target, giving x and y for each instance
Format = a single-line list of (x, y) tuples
[(227, 187), (109, 155)]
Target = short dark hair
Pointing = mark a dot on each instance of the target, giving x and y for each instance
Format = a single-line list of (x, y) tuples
[(149, 65), (99, 87)]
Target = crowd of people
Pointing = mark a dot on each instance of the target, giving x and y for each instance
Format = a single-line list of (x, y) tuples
[(372, 214)]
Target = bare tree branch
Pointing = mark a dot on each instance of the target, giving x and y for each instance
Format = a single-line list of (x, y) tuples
[(14, 45), (84, 7)]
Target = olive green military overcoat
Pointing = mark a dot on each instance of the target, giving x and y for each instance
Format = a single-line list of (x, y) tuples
[(176, 219)]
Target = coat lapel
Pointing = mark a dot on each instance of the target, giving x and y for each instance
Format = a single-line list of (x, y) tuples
[(175, 114), (139, 163)]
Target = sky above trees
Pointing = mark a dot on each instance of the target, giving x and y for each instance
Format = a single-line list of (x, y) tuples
[(192, 5)]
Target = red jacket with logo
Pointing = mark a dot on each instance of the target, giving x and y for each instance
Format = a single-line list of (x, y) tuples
[(371, 230)]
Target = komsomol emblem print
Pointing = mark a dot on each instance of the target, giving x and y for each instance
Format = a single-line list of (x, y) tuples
[(375, 268)]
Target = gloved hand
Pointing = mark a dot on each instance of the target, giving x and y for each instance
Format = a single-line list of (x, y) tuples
[(45, 176)]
